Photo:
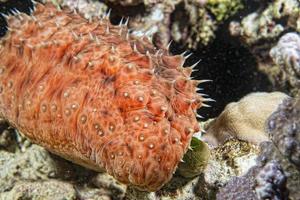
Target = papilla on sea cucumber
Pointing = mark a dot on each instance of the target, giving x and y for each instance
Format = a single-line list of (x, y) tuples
[(92, 93)]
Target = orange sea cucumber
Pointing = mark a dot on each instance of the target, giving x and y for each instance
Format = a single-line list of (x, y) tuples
[(92, 93)]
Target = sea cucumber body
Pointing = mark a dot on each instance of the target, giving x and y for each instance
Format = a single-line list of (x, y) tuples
[(88, 91)]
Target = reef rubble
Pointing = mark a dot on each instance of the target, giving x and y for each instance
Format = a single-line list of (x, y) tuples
[(262, 167)]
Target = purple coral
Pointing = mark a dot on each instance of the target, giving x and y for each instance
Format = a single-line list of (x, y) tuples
[(283, 127), (271, 182), (287, 53), (261, 182), (240, 188)]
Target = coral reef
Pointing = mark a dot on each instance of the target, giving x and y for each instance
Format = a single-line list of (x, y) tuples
[(154, 24), (229, 171), (191, 23), (270, 153), (283, 127), (267, 23), (178, 189), (234, 158), (31, 172), (286, 55), (271, 182), (260, 30), (89, 9), (276, 174), (48, 176), (244, 119), (46, 190), (261, 182), (203, 19), (222, 9), (199, 30), (112, 101), (239, 188), (131, 2)]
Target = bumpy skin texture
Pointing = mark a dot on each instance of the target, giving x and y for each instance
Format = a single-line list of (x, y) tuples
[(88, 91)]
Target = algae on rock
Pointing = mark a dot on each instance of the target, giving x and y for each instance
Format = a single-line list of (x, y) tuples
[(268, 24), (195, 159), (223, 9)]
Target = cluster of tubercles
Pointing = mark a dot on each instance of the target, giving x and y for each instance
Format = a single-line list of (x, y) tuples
[(92, 93)]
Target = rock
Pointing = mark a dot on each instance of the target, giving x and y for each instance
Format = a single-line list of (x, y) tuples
[(266, 23), (87, 8), (271, 182), (276, 174), (34, 173), (269, 152), (222, 9), (195, 159), (284, 129), (46, 190), (105, 181), (234, 158), (33, 164), (239, 188), (178, 189), (286, 56), (266, 180)]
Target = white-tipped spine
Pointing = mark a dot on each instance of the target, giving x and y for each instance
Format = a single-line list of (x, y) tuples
[(5, 16), (169, 45), (195, 64), (126, 22), (107, 16), (187, 56), (208, 100)]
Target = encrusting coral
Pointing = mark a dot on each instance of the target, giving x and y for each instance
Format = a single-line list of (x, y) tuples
[(87, 8), (192, 23), (286, 55), (263, 181), (283, 129), (260, 30), (222, 9), (276, 174), (271, 182), (268, 22), (241, 188), (244, 119), (195, 22), (96, 95)]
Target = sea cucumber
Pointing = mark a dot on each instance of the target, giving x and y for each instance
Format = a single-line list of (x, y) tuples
[(92, 93)]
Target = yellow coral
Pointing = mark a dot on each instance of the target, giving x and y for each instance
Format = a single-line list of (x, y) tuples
[(222, 9), (245, 119)]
